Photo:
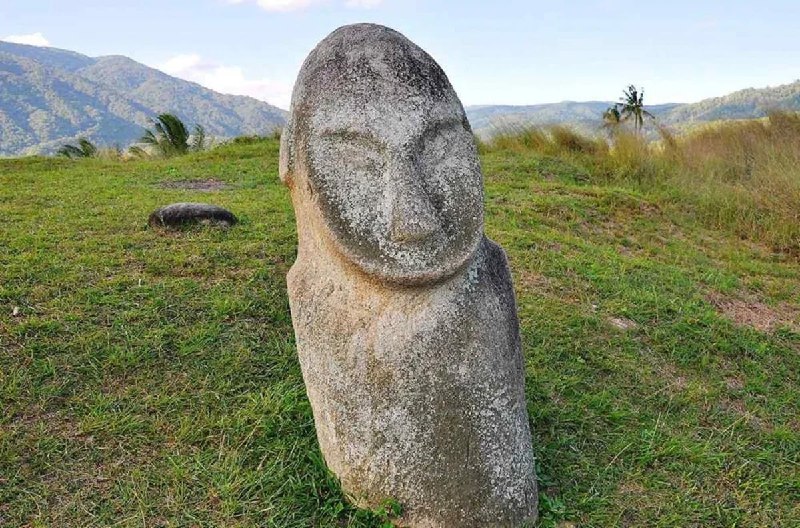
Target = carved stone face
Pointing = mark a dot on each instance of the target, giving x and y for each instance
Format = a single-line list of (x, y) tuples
[(388, 157)]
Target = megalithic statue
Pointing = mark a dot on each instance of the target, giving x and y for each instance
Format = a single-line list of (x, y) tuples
[(403, 310)]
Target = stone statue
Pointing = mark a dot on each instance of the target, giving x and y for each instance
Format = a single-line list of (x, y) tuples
[(403, 310)]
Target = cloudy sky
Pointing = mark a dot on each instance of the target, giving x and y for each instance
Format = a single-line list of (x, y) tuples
[(495, 52)]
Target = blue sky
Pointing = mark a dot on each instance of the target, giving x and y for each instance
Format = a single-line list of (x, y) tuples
[(499, 52)]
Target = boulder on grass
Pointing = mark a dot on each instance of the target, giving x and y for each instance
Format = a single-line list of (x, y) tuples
[(183, 214)]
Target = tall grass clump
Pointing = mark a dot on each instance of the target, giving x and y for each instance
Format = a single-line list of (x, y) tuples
[(564, 139), (742, 176), (631, 160), (746, 176), (551, 140), (519, 139)]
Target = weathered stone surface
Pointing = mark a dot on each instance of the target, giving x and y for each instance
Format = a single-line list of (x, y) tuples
[(404, 312), (186, 213)]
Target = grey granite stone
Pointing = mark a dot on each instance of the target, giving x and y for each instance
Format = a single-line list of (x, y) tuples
[(186, 213), (404, 313)]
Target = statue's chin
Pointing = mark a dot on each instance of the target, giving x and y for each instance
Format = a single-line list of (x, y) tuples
[(395, 273)]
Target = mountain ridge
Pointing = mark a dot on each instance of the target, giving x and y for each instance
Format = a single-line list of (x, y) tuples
[(586, 116), (50, 96)]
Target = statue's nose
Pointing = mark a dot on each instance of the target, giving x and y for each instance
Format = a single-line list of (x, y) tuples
[(412, 216)]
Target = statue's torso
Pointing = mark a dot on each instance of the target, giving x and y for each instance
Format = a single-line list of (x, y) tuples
[(418, 392)]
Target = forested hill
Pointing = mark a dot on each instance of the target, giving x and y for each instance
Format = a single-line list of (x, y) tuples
[(587, 116), (744, 104), (50, 96)]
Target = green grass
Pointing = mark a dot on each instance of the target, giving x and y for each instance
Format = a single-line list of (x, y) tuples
[(151, 379)]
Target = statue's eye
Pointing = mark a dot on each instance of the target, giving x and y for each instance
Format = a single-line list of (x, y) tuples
[(347, 180), (354, 155), (447, 163), (436, 144), (446, 148)]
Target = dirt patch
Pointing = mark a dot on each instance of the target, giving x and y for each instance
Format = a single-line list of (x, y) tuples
[(749, 311), (208, 185), (679, 383), (734, 384), (737, 407), (533, 280), (33, 418), (631, 487), (622, 323)]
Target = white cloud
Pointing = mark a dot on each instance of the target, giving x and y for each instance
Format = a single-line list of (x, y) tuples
[(294, 5), (227, 79), (34, 39), (366, 4), (278, 5)]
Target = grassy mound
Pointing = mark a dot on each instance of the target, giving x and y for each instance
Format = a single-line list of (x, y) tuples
[(150, 379)]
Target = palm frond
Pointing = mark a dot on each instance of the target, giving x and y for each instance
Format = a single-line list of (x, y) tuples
[(170, 137), (138, 152), (70, 151), (612, 118), (175, 132), (148, 138), (85, 149), (198, 139)]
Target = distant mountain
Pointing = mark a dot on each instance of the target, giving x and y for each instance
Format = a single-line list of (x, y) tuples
[(744, 104), (485, 119), (587, 116), (50, 96), (584, 116)]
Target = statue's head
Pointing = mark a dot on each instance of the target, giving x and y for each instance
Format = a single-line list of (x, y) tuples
[(379, 148)]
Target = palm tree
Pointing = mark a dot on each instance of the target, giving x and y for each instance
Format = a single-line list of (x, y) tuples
[(631, 105), (170, 137), (612, 119), (85, 149)]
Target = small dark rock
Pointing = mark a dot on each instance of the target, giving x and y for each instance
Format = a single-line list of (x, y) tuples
[(186, 213)]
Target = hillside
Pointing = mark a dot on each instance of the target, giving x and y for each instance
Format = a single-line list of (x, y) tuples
[(50, 96), (151, 378), (744, 104), (489, 116), (586, 117)]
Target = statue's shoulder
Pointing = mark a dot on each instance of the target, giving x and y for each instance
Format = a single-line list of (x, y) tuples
[(495, 260), (497, 273)]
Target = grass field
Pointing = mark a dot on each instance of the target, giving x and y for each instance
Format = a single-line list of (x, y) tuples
[(150, 379)]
